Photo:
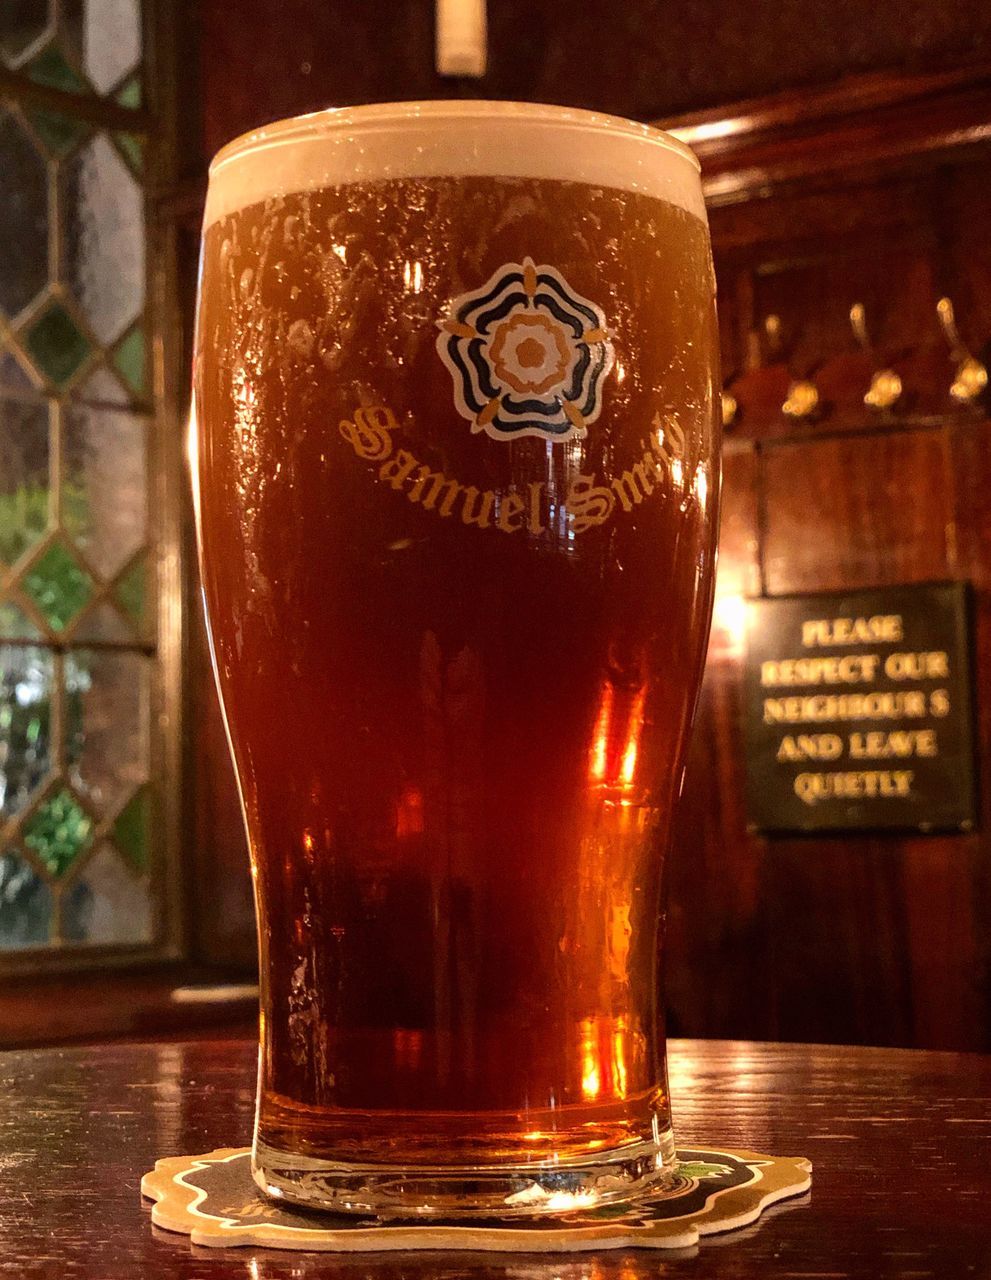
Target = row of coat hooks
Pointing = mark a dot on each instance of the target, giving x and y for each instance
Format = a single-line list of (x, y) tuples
[(772, 388)]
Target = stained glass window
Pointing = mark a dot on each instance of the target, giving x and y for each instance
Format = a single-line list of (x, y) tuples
[(81, 863)]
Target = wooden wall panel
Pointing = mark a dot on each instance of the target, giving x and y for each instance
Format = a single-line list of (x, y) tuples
[(856, 512), (643, 59)]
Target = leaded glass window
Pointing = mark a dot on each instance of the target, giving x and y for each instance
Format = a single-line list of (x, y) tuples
[(81, 857)]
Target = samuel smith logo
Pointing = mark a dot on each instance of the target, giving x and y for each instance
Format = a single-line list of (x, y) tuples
[(528, 355)]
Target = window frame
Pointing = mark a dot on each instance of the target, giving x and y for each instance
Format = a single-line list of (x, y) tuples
[(167, 536)]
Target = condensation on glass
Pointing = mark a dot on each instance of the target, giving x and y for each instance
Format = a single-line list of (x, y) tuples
[(80, 859)]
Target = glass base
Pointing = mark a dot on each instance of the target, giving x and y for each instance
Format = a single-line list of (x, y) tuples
[(464, 1191)]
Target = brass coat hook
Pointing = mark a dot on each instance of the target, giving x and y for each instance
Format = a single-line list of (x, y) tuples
[(886, 386), (802, 399), (971, 377)]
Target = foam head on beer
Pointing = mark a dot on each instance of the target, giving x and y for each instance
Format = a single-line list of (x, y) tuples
[(456, 385)]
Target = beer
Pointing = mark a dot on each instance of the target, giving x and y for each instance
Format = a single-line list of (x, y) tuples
[(455, 388)]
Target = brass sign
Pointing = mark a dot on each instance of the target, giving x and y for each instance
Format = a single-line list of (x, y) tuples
[(859, 711)]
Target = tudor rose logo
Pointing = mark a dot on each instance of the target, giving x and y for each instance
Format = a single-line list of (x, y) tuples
[(527, 355)]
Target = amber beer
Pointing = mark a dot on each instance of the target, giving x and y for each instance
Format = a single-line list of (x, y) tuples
[(455, 387)]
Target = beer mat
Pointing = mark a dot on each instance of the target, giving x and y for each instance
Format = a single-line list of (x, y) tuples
[(213, 1200)]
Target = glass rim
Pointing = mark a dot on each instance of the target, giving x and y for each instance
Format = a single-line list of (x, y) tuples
[(384, 116)]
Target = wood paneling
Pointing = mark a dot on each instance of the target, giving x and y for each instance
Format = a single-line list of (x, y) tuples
[(643, 59), (881, 939), (855, 512)]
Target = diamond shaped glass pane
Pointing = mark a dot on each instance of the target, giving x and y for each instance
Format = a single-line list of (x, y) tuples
[(25, 714), (23, 25), (129, 361), (50, 68), (15, 624), (105, 484), (132, 830), (23, 475), (103, 236), (58, 585), (58, 831), (25, 904), (23, 217), (106, 723), (108, 904), (56, 344), (59, 133)]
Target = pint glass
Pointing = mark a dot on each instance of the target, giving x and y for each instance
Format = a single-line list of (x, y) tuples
[(455, 389)]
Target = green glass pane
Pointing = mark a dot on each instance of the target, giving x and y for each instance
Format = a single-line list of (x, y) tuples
[(50, 68), (129, 94), (103, 237), (58, 831), (105, 484), (129, 360), (132, 830), (131, 592), (25, 905), (108, 904), (58, 132), (107, 724), (58, 585), (56, 344), (15, 624), (23, 23), (23, 216), (25, 711), (24, 439), (133, 149)]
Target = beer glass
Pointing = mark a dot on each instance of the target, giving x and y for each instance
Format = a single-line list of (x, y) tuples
[(455, 401)]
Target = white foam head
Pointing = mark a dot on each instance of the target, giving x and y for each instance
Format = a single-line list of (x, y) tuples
[(451, 139)]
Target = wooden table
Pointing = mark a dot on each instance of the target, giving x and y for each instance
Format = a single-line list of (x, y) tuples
[(901, 1143)]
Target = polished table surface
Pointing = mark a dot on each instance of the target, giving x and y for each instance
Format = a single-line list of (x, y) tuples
[(900, 1141)]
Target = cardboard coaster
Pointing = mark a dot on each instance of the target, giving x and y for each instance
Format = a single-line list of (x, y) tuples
[(212, 1199)]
